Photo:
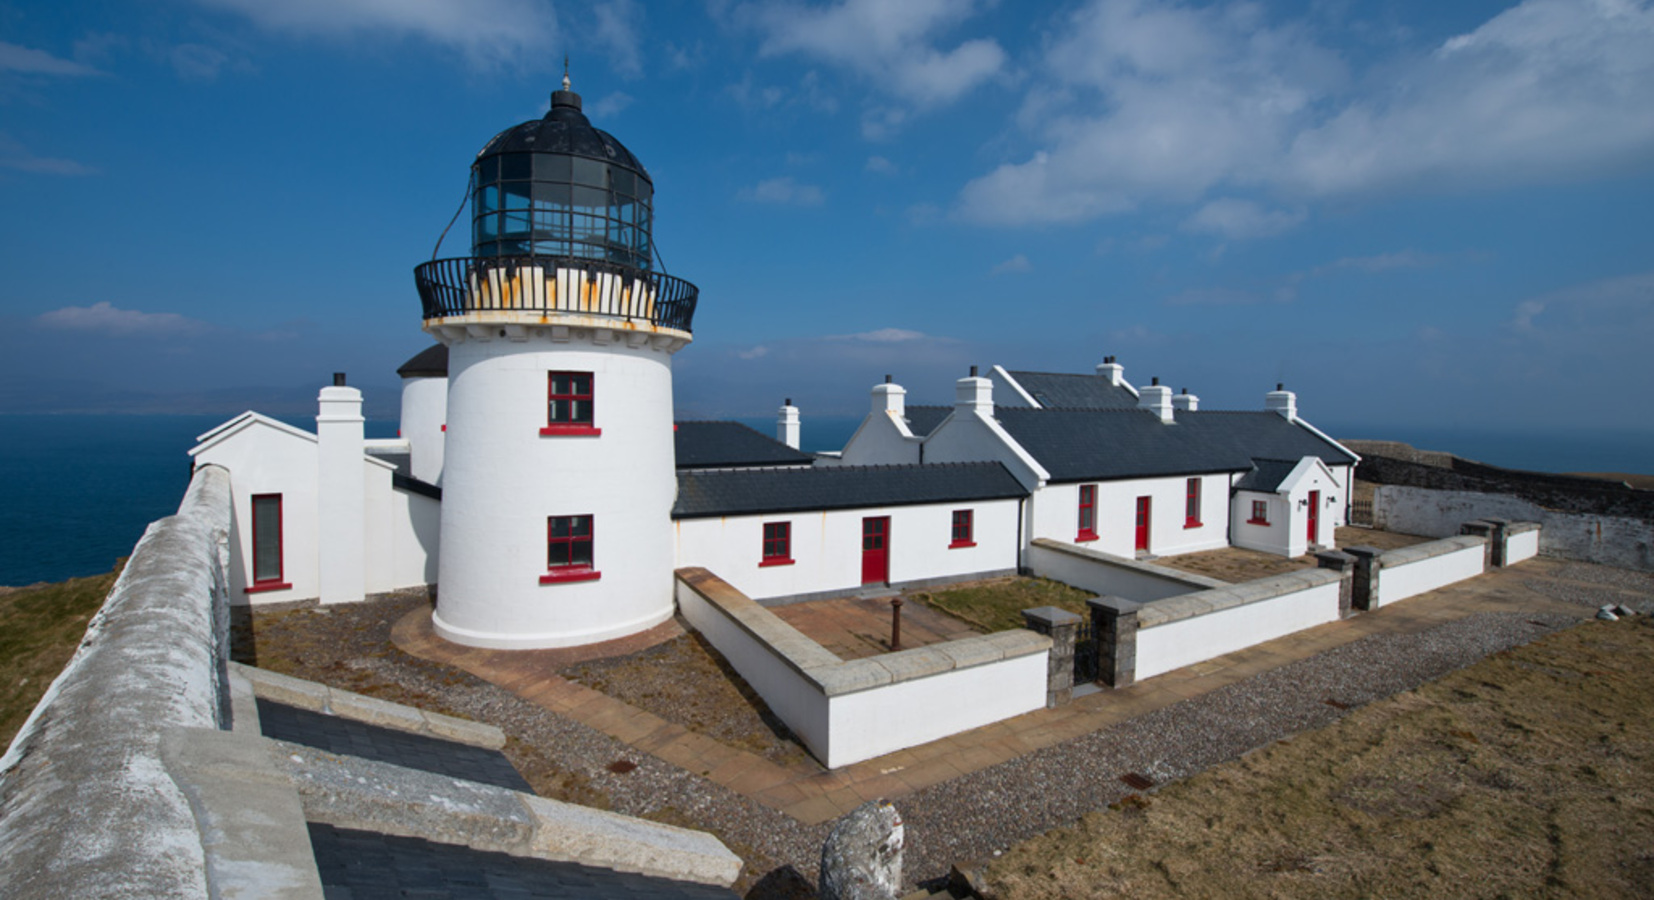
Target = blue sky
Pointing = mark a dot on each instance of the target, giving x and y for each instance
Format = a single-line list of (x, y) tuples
[(1439, 214)]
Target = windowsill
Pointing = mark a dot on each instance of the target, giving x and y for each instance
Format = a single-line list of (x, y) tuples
[(570, 431), (1191, 523), (571, 573), (957, 544), (775, 561), (268, 586), (1264, 522), (1084, 536)]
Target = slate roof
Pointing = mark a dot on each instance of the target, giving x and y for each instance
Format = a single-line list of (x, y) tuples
[(357, 865), (1084, 445), (432, 362), (348, 737), (712, 445), (922, 420), (1266, 475), (1055, 390), (753, 491)]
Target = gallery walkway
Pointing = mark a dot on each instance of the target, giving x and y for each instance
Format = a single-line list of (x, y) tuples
[(812, 795)]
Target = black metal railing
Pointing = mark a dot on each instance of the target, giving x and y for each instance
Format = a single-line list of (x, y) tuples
[(544, 284)]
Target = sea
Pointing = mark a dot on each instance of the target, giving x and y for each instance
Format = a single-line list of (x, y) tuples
[(79, 490)]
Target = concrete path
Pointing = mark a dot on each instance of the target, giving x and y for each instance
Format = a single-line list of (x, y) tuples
[(811, 795)]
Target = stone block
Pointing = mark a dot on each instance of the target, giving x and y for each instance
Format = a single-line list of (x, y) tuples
[(462, 731), (376, 712), (920, 662), (847, 678), (285, 689), (971, 651)]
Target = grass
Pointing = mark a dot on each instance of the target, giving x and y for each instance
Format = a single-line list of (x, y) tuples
[(1529, 774), (997, 605), (43, 625)]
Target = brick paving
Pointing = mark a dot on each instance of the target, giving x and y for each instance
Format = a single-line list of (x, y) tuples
[(812, 796), (858, 627)]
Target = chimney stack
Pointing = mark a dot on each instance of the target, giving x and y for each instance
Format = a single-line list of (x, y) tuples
[(1282, 401), (890, 398), (1156, 398), (1113, 371), (974, 394), (1186, 401), (340, 485), (786, 424)]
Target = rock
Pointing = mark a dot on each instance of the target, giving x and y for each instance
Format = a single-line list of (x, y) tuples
[(1606, 614), (1622, 611), (862, 857)]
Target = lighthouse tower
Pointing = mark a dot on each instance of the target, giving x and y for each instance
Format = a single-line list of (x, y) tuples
[(558, 476)]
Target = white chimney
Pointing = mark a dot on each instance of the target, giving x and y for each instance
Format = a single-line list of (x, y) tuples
[(1113, 371), (340, 488), (1282, 401), (1156, 398), (786, 424), (890, 398), (973, 394), (1186, 401)]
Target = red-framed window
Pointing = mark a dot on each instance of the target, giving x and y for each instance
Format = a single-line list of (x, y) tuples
[(1191, 503), (778, 544), (964, 528), (569, 404), (1260, 513), (1088, 513), (268, 568), (569, 546)]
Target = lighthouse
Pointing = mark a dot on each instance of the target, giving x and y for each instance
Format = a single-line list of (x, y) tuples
[(558, 476)]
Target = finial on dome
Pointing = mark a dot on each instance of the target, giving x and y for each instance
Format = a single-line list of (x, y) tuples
[(566, 72)]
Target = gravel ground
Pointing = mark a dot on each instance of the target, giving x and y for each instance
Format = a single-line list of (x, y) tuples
[(968, 818)]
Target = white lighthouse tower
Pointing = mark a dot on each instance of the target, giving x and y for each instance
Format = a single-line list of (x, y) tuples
[(558, 477)]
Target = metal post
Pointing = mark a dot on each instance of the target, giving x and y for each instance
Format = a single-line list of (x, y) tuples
[(895, 624)]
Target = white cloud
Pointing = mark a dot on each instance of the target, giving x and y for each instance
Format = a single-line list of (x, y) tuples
[(1241, 219), (617, 36), (14, 155), (609, 106), (893, 45), (1142, 102), (104, 318), (1381, 262), (197, 62), (1018, 263), (758, 352), (886, 336), (880, 165), (29, 61), (486, 31), (783, 191)]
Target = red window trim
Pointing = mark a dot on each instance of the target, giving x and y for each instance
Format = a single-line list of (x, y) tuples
[(969, 539), (278, 583), (1088, 514), (1256, 505), (571, 429), (1191, 497), (565, 574), (577, 571), (785, 540)]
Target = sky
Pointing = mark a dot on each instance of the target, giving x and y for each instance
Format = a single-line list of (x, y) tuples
[(1423, 213)]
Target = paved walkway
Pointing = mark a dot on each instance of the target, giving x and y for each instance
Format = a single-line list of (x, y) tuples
[(811, 795), (858, 627)]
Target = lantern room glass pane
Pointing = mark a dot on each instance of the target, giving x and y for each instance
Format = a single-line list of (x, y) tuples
[(516, 166), (488, 170), (552, 167), (516, 195), (591, 172)]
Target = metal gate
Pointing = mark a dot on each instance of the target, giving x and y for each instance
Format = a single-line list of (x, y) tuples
[(1086, 663)]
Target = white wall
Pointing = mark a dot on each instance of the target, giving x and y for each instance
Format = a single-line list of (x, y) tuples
[(1271, 538), (1121, 577), (1056, 515), (268, 457), (965, 436), (1185, 642), (883, 720), (882, 440), (1398, 581), (424, 412), (826, 546), (1520, 546), (1611, 540)]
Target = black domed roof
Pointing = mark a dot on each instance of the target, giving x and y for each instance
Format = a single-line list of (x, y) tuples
[(565, 130), (432, 362)]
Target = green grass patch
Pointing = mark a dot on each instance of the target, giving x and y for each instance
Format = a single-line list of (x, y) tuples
[(998, 605), (40, 627)]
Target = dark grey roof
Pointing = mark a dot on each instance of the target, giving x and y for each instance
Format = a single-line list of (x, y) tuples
[(564, 131), (752, 491), (401, 459), (411, 751), (1081, 445), (922, 420), (355, 865), (1055, 390), (432, 362), (1266, 475), (710, 445)]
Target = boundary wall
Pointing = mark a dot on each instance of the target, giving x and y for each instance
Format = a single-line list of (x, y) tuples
[(1614, 540), (1106, 574), (848, 711)]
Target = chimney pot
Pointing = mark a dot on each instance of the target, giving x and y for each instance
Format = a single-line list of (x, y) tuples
[(887, 379), (1280, 385), (787, 402), (973, 371), (1155, 381), (338, 379)]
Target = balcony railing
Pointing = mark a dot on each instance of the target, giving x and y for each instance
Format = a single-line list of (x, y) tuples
[(543, 284)]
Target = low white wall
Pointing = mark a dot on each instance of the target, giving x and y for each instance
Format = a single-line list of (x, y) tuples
[(1414, 570), (1104, 574), (1521, 545), (845, 712), (1185, 630), (1610, 540)]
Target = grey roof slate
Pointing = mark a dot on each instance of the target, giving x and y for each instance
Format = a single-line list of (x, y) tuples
[(432, 362), (1103, 444), (752, 491), (1056, 390), (1266, 475), (710, 445), (922, 420), (349, 737), (356, 865)]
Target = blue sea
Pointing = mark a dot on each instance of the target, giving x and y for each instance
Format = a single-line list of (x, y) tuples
[(80, 489)]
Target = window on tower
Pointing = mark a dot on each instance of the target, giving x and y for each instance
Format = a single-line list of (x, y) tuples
[(569, 408), (569, 545)]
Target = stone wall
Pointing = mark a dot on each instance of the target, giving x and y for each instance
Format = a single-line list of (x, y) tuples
[(1624, 541)]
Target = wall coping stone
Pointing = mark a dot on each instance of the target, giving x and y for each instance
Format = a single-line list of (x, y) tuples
[(1188, 606), (1051, 616), (1120, 606), (1165, 573), (309, 695), (1520, 528), (1420, 552)]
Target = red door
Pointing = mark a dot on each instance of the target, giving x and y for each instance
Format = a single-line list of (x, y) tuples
[(1142, 523), (875, 550), (1314, 517)]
